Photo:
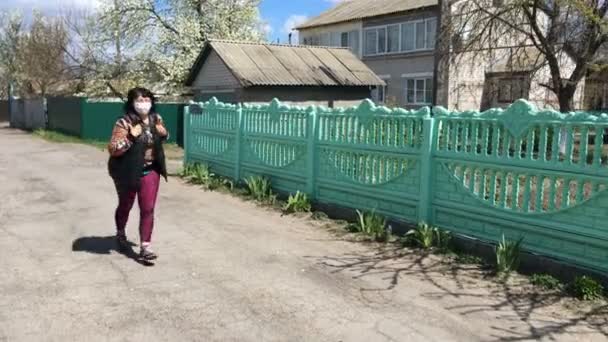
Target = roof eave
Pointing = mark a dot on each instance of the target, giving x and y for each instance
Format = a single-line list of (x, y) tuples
[(303, 27), (312, 26), (316, 85)]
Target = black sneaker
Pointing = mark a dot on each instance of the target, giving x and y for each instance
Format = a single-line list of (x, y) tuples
[(123, 243), (147, 254)]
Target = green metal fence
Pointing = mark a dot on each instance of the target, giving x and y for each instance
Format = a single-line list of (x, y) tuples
[(65, 114), (520, 172), (95, 120)]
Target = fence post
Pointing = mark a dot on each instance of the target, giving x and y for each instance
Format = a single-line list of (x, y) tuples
[(311, 153), (238, 139), (426, 170), (186, 135)]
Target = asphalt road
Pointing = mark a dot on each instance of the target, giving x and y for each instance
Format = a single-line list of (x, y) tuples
[(228, 270)]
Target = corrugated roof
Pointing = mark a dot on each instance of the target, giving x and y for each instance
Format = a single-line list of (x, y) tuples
[(361, 9), (259, 64)]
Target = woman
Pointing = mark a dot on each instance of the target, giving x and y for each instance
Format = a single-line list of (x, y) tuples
[(137, 160)]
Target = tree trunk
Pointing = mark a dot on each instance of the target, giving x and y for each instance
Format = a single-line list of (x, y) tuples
[(565, 98)]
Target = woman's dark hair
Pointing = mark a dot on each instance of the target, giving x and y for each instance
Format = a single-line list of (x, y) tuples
[(135, 93)]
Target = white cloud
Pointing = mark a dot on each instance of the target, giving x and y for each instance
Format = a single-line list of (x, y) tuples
[(266, 29), (290, 24)]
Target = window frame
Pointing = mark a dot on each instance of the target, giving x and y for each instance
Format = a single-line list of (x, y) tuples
[(414, 23), (347, 33), (425, 79), (524, 88)]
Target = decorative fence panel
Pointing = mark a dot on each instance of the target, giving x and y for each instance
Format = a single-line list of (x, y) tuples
[(520, 172), (274, 142), (213, 137), (540, 175), (369, 157)]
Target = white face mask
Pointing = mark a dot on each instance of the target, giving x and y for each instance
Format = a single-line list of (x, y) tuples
[(142, 108)]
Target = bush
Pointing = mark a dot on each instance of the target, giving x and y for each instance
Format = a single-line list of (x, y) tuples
[(545, 281), (298, 203), (372, 224), (587, 288), (508, 256), (260, 189)]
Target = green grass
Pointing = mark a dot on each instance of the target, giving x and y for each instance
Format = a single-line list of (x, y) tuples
[(172, 150), (545, 281), (57, 137), (468, 259)]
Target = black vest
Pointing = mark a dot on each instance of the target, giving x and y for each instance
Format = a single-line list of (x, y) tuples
[(127, 169)]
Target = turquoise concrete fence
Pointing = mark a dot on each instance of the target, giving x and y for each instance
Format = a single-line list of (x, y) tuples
[(521, 172)]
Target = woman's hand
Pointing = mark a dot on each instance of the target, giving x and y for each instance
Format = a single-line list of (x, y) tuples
[(135, 131), (161, 130)]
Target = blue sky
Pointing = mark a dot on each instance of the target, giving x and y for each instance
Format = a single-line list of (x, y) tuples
[(281, 15)]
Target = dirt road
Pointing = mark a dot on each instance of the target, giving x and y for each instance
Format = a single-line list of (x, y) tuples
[(228, 271)]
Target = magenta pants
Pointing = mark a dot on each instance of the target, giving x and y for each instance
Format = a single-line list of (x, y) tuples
[(146, 197)]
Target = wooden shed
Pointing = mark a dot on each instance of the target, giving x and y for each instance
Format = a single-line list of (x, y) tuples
[(258, 72)]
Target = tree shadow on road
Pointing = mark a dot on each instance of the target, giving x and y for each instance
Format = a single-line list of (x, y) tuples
[(105, 245), (468, 290)]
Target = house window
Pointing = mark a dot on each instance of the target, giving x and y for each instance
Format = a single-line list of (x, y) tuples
[(344, 42), (371, 42), (404, 37), (420, 35), (325, 37), (408, 37), (419, 91), (511, 89), (382, 40), (379, 94), (393, 38), (335, 39), (353, 41), (431, 33)]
